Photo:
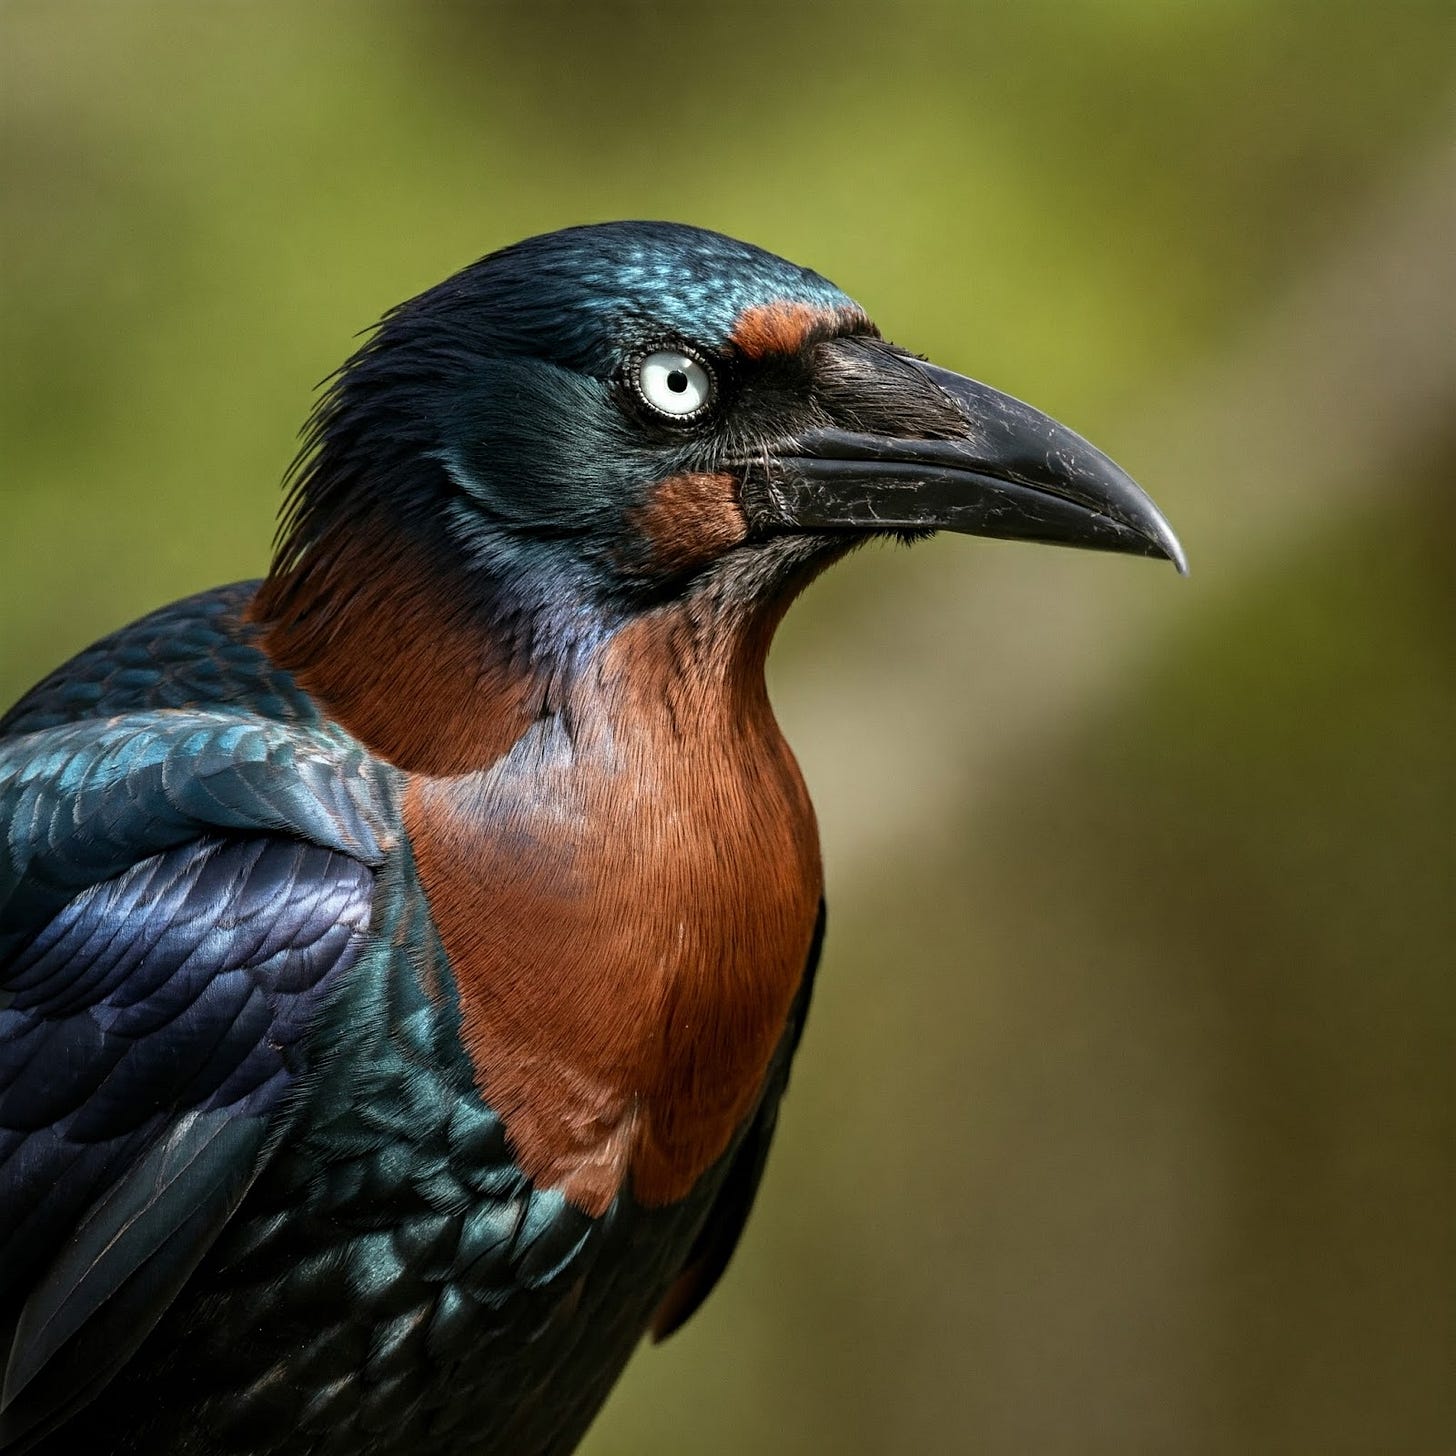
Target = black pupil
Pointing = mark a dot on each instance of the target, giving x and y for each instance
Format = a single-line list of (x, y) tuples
[(677, 381)]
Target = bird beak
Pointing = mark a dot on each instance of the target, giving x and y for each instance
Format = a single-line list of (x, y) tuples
[(993, 467)]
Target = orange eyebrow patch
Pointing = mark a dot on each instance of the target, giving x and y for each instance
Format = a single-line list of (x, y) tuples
[(689, 519), (784, 328)]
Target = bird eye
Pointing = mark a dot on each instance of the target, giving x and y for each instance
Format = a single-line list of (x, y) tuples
[(674, 383)]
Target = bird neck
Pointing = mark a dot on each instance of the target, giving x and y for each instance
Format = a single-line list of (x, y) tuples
[(610, 832), (440, 665)]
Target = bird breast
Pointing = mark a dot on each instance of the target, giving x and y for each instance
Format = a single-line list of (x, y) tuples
[(627, 901)]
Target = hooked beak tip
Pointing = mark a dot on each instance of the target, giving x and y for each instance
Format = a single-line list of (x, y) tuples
[(1172, 547)]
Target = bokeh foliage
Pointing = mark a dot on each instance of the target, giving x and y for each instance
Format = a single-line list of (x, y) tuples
[(1125, 1119)]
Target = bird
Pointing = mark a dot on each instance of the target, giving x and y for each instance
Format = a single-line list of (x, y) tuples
[(402, 956)]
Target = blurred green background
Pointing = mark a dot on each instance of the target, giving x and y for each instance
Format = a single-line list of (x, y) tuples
[(1124, 1122)]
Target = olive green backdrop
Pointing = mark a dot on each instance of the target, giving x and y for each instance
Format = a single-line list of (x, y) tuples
[(1124, 1122)]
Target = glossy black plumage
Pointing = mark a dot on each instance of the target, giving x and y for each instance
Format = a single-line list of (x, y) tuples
[(178, 995)]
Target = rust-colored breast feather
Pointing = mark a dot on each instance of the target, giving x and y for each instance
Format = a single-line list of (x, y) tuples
[(627, 906)]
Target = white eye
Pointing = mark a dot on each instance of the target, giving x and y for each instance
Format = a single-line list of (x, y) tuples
[(673, 383)]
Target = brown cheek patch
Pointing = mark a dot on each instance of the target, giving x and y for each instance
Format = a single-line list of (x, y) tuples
[(785, 328), (689, 520)]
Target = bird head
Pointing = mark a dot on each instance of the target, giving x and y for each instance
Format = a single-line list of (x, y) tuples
[(600, 421)]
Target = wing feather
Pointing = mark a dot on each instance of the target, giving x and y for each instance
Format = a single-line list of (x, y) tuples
[(154, 1026)]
